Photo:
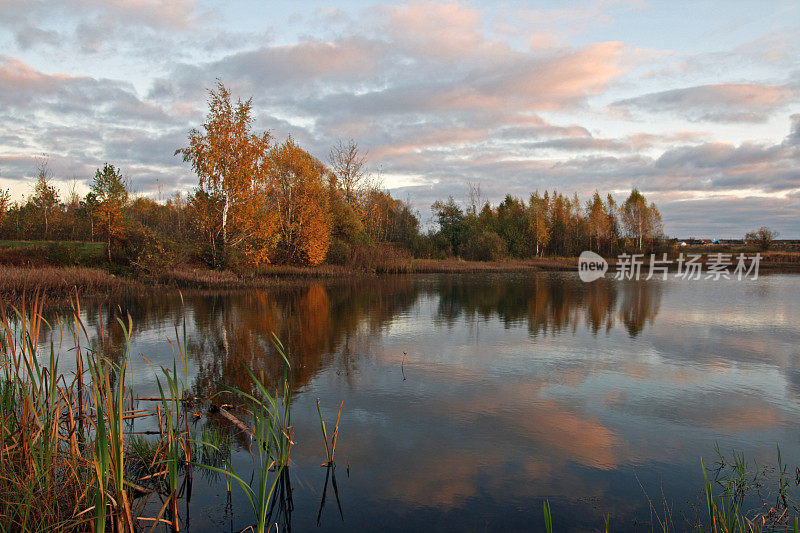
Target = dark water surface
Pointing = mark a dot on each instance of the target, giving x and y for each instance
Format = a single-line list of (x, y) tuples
[(515, 388)]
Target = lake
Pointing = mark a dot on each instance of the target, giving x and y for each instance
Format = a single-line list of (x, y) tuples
[(470, 399)]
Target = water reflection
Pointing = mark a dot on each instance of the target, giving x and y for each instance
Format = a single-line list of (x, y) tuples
[(228, 330), (548, 304), (468, 399)]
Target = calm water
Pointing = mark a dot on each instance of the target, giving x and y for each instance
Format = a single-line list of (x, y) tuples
[(514, 388)]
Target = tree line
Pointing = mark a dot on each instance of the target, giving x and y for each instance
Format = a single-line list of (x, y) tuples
[(261, 201), (552, 224)]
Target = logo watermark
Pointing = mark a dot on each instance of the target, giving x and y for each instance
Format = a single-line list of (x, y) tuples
[(591, 266), (690, 267)]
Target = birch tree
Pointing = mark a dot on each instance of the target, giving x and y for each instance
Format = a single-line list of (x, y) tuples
[(231, 162)]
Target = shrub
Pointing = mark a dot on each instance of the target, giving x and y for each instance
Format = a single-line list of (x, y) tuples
[(381, 259), (485, 246), (338, 252), (430, 246)]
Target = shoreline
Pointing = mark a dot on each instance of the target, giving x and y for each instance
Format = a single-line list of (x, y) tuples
[(60, 282)]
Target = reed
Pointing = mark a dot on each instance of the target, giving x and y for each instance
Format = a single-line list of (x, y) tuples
[(548, 517), (108, 394), (46, 482), (271, 436), (70, 459), (330, 450), (723, 513)]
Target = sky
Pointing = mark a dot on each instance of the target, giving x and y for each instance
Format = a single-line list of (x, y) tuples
[(696, 104)]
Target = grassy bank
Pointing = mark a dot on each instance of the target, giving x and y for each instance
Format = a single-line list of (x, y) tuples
[(61, 281), (424, 266)]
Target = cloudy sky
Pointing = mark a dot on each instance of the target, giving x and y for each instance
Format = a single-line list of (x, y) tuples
[(695, 103)]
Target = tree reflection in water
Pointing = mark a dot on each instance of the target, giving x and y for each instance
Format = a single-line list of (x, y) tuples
[(316, 321), (338, 326)]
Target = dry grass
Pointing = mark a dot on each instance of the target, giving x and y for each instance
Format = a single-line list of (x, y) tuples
[(512, 265), (59, 282), (780, 258), (268, 276), (319, 271)]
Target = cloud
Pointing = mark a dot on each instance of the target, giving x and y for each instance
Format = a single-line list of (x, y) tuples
[(720, 102), (730, 216), (30, 92), (581, 143), (82, 122), (794, 137), (290, 65), (436, 31), (157, 14), (438, 93)]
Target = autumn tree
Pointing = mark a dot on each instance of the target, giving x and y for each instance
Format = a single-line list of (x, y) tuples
[(232, 163), (642, 221), (347, 221), (487, 218), (560, 215), (71, 212), (597, 221), (203, 209), (298, 193), (45, 198), (388, 219), (612, 221), (762, 238), (111, 195), (538, 224), (90, 205)]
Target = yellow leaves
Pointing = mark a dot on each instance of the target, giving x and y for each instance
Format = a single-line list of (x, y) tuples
[(257, 226), (271, 200), (301, 199)]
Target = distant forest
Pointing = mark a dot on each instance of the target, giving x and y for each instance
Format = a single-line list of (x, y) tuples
[(260, 201)]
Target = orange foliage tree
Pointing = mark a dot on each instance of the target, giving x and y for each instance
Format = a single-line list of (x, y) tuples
[(232, 164), (300, 197)]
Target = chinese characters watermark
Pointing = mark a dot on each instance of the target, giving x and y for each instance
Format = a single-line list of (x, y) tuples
[(592, 266)]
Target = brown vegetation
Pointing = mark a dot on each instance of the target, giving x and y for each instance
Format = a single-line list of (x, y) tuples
[(512, 265), (59, 281)]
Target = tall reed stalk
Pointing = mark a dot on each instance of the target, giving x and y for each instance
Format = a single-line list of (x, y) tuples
[(59, 469), (108, 396), (69, 458), (271, 436)]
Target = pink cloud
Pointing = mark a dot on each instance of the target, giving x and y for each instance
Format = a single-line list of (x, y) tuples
[(441, 31)]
